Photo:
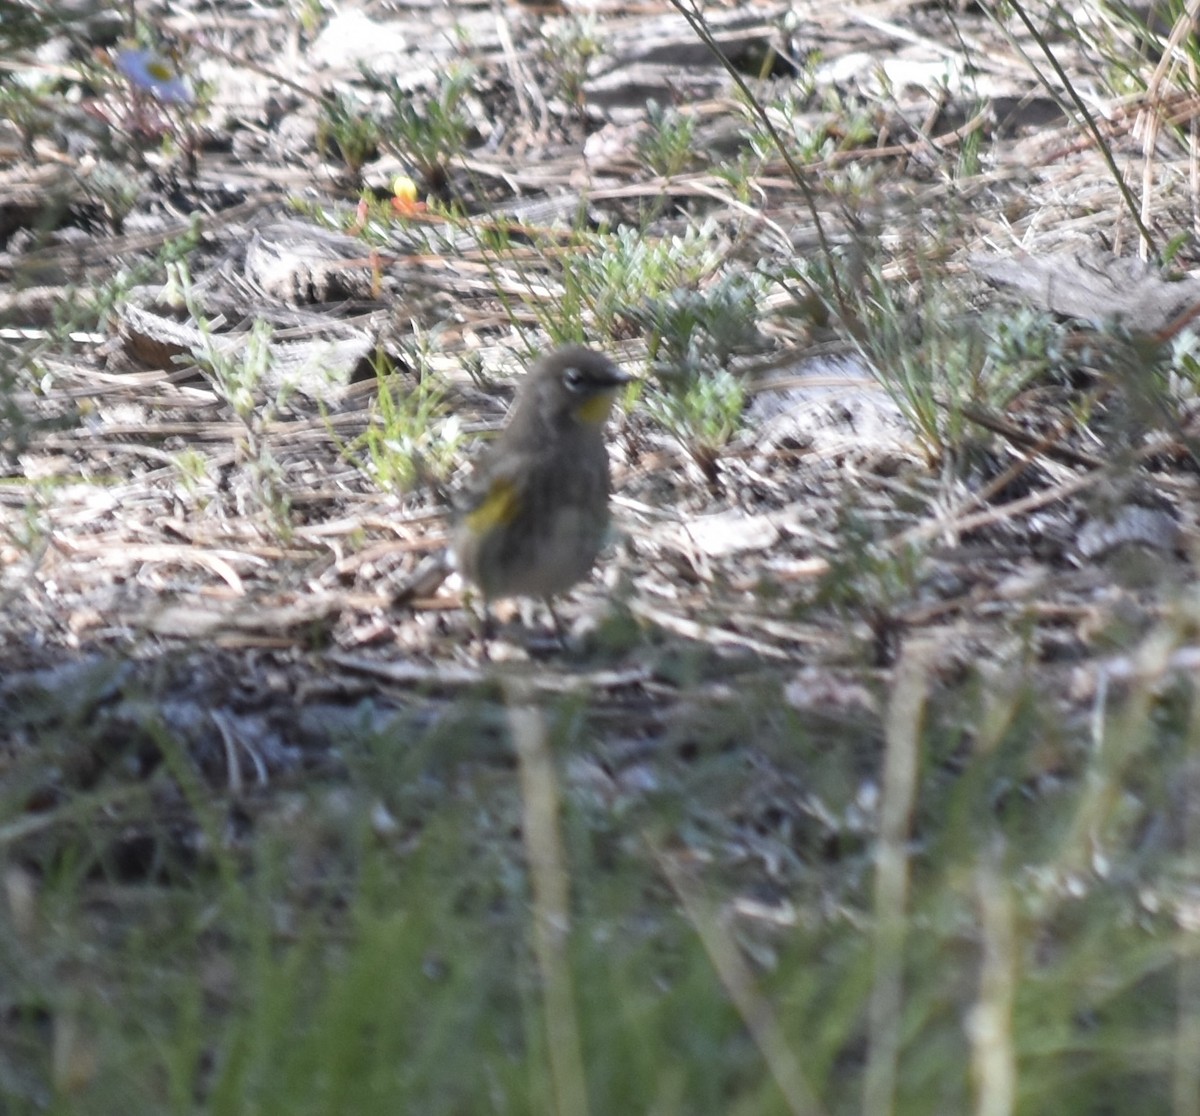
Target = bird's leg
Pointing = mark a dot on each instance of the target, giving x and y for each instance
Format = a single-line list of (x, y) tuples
[(487, 631), (484, 622), (559, 630)]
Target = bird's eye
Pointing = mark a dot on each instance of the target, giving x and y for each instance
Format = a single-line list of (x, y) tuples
[(573, 378)]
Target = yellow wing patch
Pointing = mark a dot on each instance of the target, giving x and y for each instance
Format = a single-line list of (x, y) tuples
[(497, 508)]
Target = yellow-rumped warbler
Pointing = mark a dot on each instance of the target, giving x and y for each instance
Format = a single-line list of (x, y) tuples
[(535, 512)]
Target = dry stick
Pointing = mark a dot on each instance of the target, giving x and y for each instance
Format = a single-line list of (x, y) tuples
[(1183, 27), (1028, 503), (551, 899), (885, 1010), (1176, 325), (1016, 469), (1185, 1083), (1148, 124), (1119, 739), (714, 636), (517, 75), (1046, 446), (990, 1025), (735, 975), (36, 551), (695, 20), (1193, 146), (209, 46), (986, 518), (1088, 119)]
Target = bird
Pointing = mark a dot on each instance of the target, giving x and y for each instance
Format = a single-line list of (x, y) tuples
[(534, 515)]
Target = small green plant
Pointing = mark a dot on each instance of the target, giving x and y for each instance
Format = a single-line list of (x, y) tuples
[(667, 146), (864, 576), (351, 126), (13, 421), (1157, 382), (192, 469), (242, 377), (28, 110), (568, 48), (27, 375), (412, 436), (970, 151), (310, 14), (693, 331), (693, 336), (927, 356), (29, 532), (739, 174), (931, 351), (793, 122), (432, 133), (25, 25), (115, 189), (703, 412), (853, 121), (870, 582), (810, 131), (611, 278), (1023, 345), (237, 377)]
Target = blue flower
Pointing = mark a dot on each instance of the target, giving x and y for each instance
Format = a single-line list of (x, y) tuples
[(152, 73)]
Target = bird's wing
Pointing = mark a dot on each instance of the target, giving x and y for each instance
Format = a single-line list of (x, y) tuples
[(494, 495)]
